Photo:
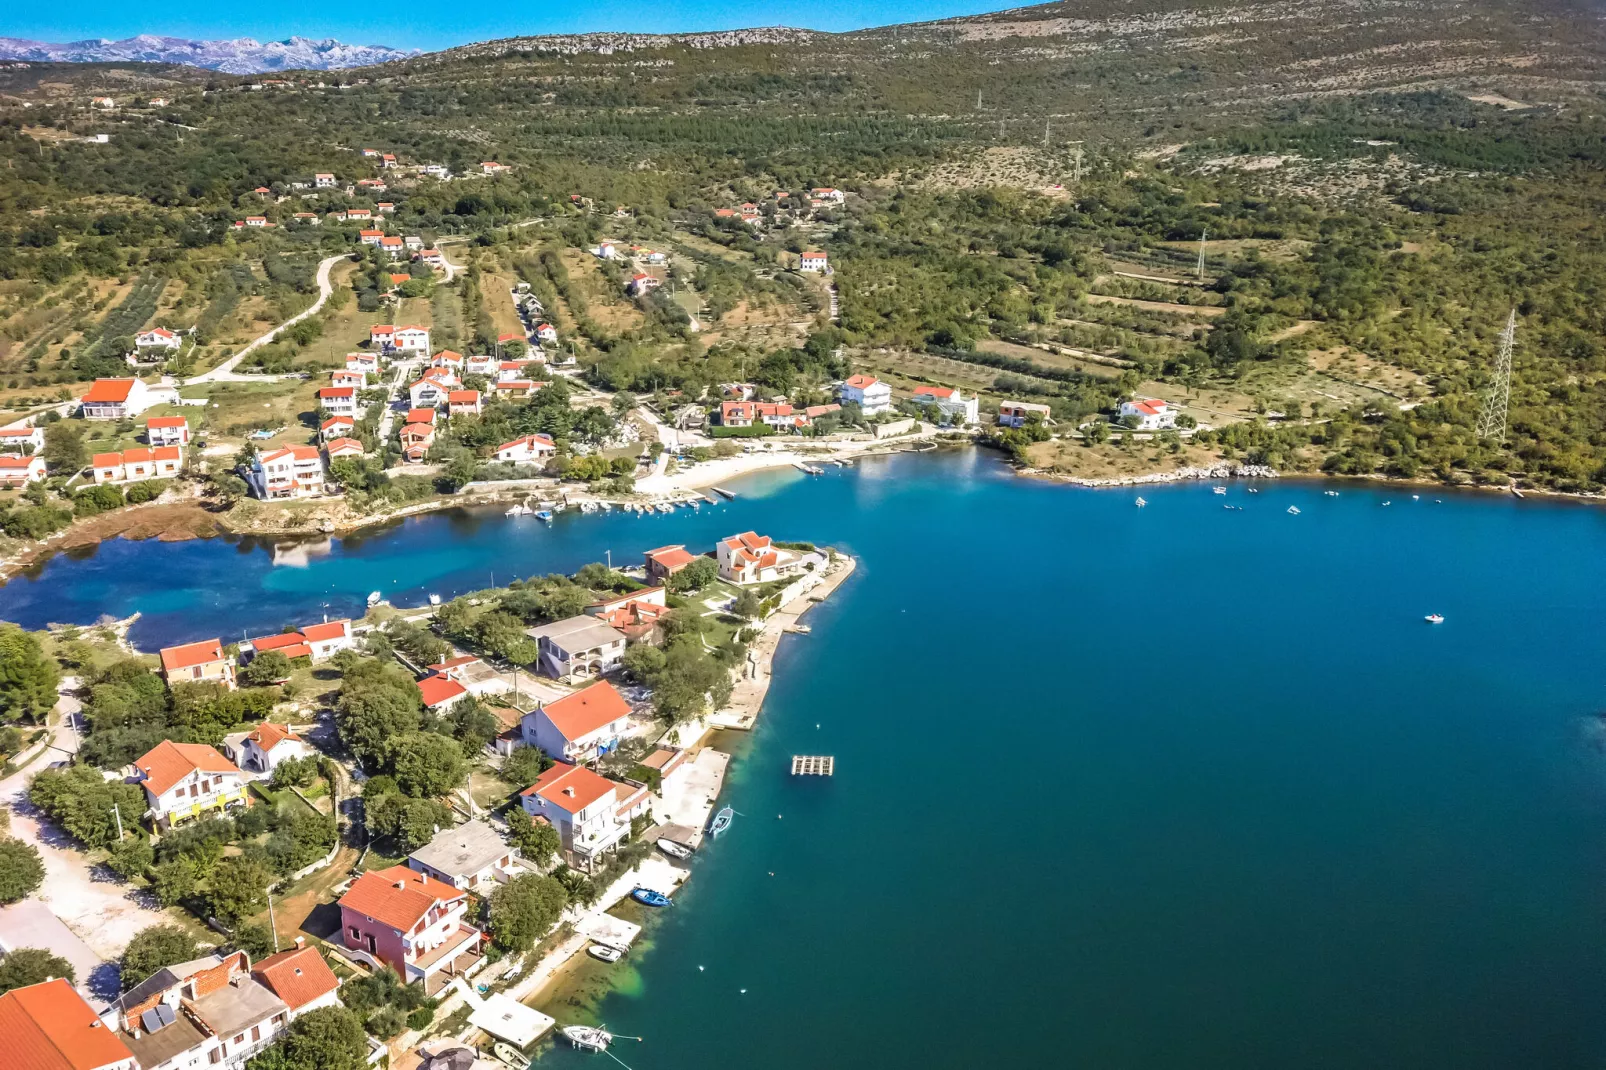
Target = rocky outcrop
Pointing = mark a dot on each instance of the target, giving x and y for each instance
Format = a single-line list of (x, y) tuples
[(243, 55), (1180, 475)]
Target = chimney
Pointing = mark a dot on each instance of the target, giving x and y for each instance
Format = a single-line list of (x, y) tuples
[(400, 885), (569, 792), (301, 942)]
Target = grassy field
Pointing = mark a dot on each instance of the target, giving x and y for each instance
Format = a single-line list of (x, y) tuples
[(611, 309), (497, 291), (235, 409)]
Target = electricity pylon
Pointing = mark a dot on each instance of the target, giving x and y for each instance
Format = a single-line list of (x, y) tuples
[(1492, 417)]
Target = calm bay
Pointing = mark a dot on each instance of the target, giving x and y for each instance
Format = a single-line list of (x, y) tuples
[(1115, 787)]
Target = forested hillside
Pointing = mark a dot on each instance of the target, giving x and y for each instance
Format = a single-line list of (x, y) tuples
[(1376, 185)]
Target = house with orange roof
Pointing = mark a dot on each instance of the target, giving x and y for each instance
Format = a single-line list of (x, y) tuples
[(580, 727), (638, 614), (317, 642), (590, 813), (300, 977), (115, 399), (463, 403), (665, 561), (134, 465), (343, 447), (409, 339), (20, 471), (948, 401), (348, 377), (367, 363), (546, 333), (22, 439), (197, 663), (412, 923), (518, 388), (812, 260), (184, 780), (416, 439), (167, 431), (440, 692), (158, 338), (264, 747), (287, 472), (49, 1026), (529, 449), (207, 1012), (1020, 413), (1151, 414), (450, 359), (753, 558), (323, 180), (429, 390), (336, 427), (866, 391), (338, 400), (421, 416)]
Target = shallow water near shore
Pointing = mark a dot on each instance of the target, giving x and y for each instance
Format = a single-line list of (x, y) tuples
[(1178, 786)]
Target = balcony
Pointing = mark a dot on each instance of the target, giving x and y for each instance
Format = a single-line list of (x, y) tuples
[(459, 956)]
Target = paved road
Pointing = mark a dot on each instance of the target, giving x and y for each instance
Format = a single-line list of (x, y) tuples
[(225, 373)]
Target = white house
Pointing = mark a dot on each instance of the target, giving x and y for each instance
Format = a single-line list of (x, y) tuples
[(871, 395), (827, 193), (338, 400), (590, 813), (432, 390), (948, 401), (348, 377), (182, 780), (22, 439), (482, 364), (579, 727), (19, 471), (1152, 414), (158, 338), (323, 181), (527, 449), (640, 283), (134, 465), (115, 399), (300, 977), (366, 363), (264, 747), (206, 1013), (343, 447), (463, 403), (167, 431), (753, 558), (472, 856), (402, 339), (578, 646), (288, 472), (546, 332), (813, 260), (1020, 413)]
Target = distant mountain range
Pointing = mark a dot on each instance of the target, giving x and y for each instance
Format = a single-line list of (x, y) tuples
[(242, 55)]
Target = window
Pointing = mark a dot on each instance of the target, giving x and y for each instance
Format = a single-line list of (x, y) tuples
[(215, 1056), (240, 1039), (356, 933), (256, 1033)]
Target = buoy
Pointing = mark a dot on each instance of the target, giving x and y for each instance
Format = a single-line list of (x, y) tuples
[(699, 969)]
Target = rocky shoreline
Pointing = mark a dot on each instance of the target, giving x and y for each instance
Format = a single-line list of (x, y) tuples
[(1180, 475)]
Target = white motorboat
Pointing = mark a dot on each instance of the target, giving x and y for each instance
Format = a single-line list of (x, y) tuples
[(587, 1037), (1219, 490), (374, 597), (1141, 503), (605, 953), (1434, 618), (519, 509), (1294, 509), (673, 849)]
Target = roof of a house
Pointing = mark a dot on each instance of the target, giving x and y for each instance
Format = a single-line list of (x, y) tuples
[(167, 763), (463, 397), (104, 460), (341, 445), (19, 432), (167, 421), (110, 391), (1150, 406), (189, 655), (527, 440), (298, 976), (575, 633), (435, 690), (748, 540), (934, 391), (861, 382), (337, 391), (579, 714), (398, 896), (268, 735), (420, 416), (277, 642), (300, 453), (671, 557), (570, 787), (21, 462), (160, 332), (332, 629), (48, 1026), (462, 851), (337, 421), (454, 663)]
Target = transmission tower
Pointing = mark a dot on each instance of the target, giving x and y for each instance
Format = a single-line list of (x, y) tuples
[(1198, 271), (1076, 158), (1492, 419)]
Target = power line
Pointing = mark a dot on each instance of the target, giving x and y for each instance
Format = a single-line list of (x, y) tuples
[(1497, 402), (1198, 271)]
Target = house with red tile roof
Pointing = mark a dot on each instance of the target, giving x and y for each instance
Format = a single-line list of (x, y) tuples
[(336, 427), (184, 780), (753, 558), (590, 813), (637, 614), (416, 439), (167, 431), (866, 391), (49, 1026), (22, 439), (264, 747), (665, 561), (430, 389), (343, 447), (287, 472), (813, 260), (421, 416), (580, 727), (367, 363), (348, 377), (463, 403), (300, 977), (115, 399), (1151, 414), (135, 465), (19, 471), (338, 400), (440, 692), (204, 662), (948, 401), (529, 449), (409, 339), (157, 338), (414, 924), (207, 1012)]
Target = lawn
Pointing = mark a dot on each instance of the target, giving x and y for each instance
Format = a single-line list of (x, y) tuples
[(235, 409)]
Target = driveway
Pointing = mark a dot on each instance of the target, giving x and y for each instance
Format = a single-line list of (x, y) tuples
[(225, 373)]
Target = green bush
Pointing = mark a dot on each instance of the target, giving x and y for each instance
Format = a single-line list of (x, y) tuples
[(147, 491), (753, 431), (97, 500)]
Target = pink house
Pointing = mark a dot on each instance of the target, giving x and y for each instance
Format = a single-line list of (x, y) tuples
[(412, 923)]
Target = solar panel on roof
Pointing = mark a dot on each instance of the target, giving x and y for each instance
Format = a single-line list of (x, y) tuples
[(151, 1021), (165, 1013)]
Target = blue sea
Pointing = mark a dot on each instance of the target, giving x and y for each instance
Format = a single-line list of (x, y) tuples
[(1181, 786)]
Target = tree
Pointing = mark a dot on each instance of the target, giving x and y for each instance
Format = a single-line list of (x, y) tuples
[(473, 726), (538, 841), (524, 909), (132, 857), (426, 765), (268, 667), (329, 1038), (294, 772), (410, 822), (524, 765), (28, 679), (64, 446), (31, 966), (643, 663), (153, 948), (21, 871), (747, 605), (695, 576), (256, 940), (378, 702), (239, 888), (85, 804), (174, 881)]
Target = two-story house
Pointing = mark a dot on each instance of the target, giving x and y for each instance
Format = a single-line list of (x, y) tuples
[(183, 780), (158, 338), (665, 561), (412, 923), (197, 663), (578, 646), (949, 401), (1020, 413), (463, 403), (472, 857), (580, 727), (288, 472), (753, 558), (1150, 414), (115, 399), (20, 471), (137, 464), (590, 813), (264, 747), (431, 390), (637, 614), (338, 400), (366, 363), (22, 439), (300, 977), (48, 1026), (167, 431), (866, 391), (208, 1012)]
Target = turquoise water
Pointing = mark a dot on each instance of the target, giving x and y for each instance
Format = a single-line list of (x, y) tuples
[(1178, 786)]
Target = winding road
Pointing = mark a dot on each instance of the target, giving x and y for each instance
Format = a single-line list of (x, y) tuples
[(225, 373)]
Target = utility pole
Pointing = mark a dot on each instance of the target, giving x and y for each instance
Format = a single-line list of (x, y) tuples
[(119, 818), (1045, 133), (1076, 161), (1198, 272), (978, 100), (273, 923), (1492, 420)]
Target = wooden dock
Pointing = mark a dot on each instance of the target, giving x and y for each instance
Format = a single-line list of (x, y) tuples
[(813, 765)]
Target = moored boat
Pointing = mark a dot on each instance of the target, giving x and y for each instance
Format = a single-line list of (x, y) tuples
[(673, 849), (1219, 490), (722, 821), (1141, 503), (544, 514), (651, 897), (512, 1056), (605, 953), (1293, 510), (374, 597), (587, 1037), (1434, 618)]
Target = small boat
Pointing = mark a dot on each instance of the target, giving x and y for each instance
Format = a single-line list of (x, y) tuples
[(605, 953), (587, 1037), (1434, 618), (1294, 510), (588, 507), (1253, 490), (519, 509), (673, 849), (434, 599), (1219, 490), (1331, 493), (649, 897), (512, 1056), (374, 597), (1416, 497), (666, 507), (544, 514), (722, 821), (1141, 503)]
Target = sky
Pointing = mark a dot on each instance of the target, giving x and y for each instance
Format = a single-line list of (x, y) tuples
[(436, 26)]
